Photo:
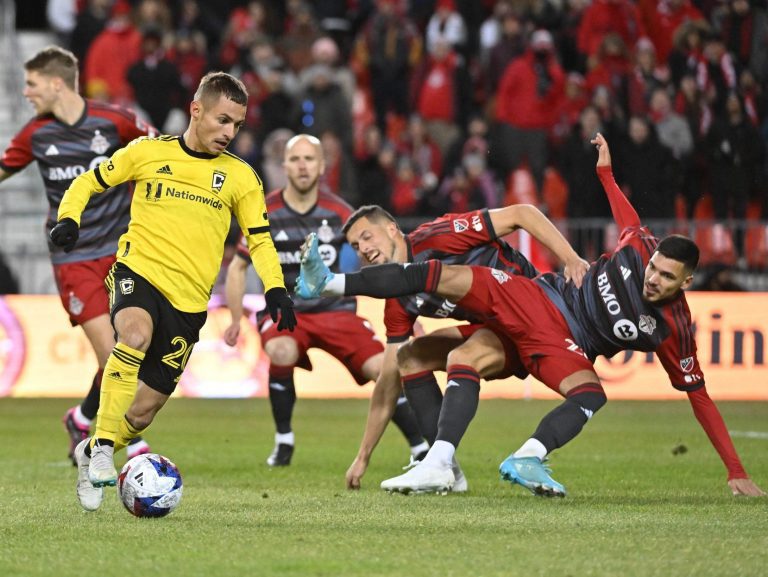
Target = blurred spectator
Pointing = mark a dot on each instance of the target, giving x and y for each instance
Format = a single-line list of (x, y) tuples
[(719, 73), (188, 54), (61, 16), (691, 104), (8, 283), (153, 13), (442, 94), (611, 67), (570, 108), (446, 25), (586, 197), (194, 16), (672, 128), (511, 44), (567, 35), (646, 76), (529, 96), (470, 187), (426, 158), (374, 169), (246, 147), (90, 21), (687, 55), (662, 18), (326, 52), (300, 32), (155, 80), (752, 93), (736, 160), (245, 25), (277, 104), (407, 191), (744, 30), (272, 155), (644, 171), (335, 19), (339, 169), (719, 277), (490, 30), (386, 50), (322, 107), (110, 56), (605, 16), (476, 138)]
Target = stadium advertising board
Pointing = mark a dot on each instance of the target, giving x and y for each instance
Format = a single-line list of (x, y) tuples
[(42, 356)]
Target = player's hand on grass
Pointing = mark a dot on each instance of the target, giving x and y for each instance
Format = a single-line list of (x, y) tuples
[(278, 301), (574, 271), (65, 234), (355, 472), (745, 487), (231, 333), (603, 153)]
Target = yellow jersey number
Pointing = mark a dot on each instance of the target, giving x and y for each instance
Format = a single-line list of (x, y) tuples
[(178, 358)]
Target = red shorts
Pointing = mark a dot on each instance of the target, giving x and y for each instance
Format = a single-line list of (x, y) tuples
[(523, 311), (81, 288), (513, 364), (343, 335)]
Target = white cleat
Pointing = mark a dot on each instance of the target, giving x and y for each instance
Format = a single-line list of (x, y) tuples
[(90, 497), (101, 470), (423, 478)]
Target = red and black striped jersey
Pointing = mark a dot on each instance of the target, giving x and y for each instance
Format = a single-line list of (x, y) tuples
[(63, 152)]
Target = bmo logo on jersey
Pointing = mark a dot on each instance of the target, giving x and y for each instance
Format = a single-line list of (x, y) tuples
[(58, 173), (625, 330)]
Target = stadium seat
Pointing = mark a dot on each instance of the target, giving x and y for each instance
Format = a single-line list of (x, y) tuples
[(756, 246), (704, 209), (715, 244), (555, 194)]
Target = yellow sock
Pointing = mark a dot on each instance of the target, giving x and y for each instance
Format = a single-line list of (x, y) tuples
[(118, 387), (126, 432)]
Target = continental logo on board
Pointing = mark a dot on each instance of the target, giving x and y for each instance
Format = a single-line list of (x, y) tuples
[(156, 190)]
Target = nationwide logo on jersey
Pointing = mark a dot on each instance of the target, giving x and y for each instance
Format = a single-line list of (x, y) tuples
[(686, 364), (164, 170), (126, 286), (460, 225), (477, 223), (218, 180), (647, 324), (500, 275), (99, 144), (625, 272), (325, 232), (52, 150), (281, 236)]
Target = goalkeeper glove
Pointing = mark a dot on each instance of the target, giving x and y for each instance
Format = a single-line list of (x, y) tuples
[(65, 234), (278, 301)]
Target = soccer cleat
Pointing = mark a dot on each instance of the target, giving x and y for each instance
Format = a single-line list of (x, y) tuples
[(101, 470), (281, 455), (76, 432), (532, 474), (136, 447), (313, 274), (90, 497), (460, 484), (421, 478)]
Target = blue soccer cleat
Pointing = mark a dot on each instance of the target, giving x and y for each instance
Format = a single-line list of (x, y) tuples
[(532, 474), (314, 274)]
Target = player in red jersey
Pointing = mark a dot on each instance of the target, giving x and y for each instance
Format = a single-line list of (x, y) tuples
[(305, 206), (631, 299), (68, 136), (469, 238)]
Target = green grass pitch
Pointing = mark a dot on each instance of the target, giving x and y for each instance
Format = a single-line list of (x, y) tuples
[(634, 508)]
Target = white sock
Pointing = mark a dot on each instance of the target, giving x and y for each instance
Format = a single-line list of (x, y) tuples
[(532, 448), (335, 286), (420, 448), (284, 438), (440, 455), (80, 418)]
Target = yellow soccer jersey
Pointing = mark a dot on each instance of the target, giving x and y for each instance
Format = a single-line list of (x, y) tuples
[(180, 215)]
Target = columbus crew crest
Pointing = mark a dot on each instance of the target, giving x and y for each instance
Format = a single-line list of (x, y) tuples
[(218, 180)]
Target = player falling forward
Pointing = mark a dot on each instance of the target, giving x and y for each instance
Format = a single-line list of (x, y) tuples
[(68, 136), (304, 207), (187, 189), (473, 350), (631, 299)]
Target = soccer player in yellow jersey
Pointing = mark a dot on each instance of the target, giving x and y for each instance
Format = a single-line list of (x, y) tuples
[(187, 188)]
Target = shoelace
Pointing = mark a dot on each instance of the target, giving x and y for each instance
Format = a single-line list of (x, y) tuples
[(412, 464)]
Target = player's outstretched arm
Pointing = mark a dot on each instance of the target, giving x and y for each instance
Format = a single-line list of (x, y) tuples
[(623, 212), (380, 411), (234, 289), (532, 220)]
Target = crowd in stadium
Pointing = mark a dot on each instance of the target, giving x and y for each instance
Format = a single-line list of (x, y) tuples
[(428, 106)]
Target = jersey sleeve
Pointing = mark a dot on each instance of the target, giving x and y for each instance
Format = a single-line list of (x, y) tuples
[(113, 171), (623, 212), (677, 352), (131, 127), (454, 233), (250, 210), (397, 322), (19, 152)]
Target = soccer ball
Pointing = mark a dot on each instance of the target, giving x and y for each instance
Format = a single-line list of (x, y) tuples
[(149, 486)]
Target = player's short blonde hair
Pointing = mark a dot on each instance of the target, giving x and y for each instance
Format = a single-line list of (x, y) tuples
[(215, 84), (55, 61)]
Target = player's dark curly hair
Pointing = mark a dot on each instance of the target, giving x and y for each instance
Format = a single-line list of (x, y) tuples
[(680, 248), (372, 212), (55, 61), (215, 84)]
